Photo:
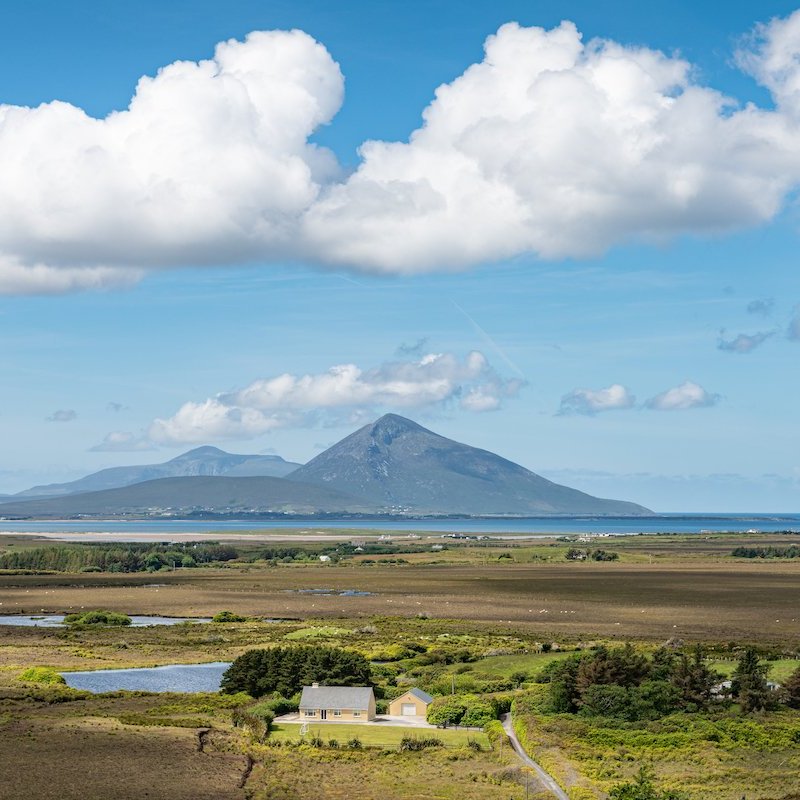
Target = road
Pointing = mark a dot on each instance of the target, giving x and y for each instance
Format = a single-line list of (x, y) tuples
[(548, 782)]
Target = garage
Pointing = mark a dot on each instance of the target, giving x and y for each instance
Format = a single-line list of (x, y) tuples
[(414, 703)]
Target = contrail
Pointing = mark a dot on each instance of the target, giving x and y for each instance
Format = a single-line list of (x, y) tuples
[(491, 342)]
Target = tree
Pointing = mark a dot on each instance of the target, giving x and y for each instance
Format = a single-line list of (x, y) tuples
[(791, 690), (749, 684), (287, 669), (643, 788), (694, 679)]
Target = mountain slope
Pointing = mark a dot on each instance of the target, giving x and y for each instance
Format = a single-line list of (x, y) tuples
[(397, 463), (195, 494), (200, 461)]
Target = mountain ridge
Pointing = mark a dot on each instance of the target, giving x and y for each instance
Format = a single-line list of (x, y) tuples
[(206, 460), (398, 463)]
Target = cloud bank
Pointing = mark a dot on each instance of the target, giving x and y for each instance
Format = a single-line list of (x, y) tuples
[(342, 393), (550, 147)]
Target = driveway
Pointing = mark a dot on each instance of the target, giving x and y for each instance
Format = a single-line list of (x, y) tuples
[(547, 781), (385, 720)]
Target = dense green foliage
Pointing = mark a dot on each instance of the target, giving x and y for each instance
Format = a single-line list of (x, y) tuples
[(227, 616), (286, 670), (793, 551), (749, 684), (99, 617), (127, 557), (791, 690), (471, 711), (624, 684), (45, 676)]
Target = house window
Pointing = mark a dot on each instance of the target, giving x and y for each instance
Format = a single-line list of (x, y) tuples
[(337, 712), (310, 713), (356, 713)]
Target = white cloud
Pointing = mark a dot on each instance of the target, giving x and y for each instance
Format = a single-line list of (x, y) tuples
[(344, 392), (209, 163), (63, 415), (549, 146), (744, 343), (687, 395), (558, 148), (122, 442), (591, 401)]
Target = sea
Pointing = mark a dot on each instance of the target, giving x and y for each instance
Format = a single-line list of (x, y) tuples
[(147, 529)]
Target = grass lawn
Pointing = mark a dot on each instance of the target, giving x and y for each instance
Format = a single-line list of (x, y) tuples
[(504, 666), (376, 735), (779, 671)]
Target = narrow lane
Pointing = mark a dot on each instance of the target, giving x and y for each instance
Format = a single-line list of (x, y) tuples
[(543, 776)]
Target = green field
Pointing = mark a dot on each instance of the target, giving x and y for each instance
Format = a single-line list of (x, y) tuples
[(376, 735)]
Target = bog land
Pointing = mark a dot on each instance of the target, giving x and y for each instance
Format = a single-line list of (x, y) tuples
[(481, 619)]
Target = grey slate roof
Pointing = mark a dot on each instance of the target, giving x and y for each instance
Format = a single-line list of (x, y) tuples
[(353, 697), (420, 695)]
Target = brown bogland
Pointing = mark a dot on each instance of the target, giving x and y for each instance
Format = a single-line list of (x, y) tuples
[(702, 599)]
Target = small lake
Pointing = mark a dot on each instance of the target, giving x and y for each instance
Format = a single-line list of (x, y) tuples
[(57, 620), (172, 678)]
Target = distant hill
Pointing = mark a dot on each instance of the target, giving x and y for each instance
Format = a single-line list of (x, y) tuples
[(397, 463), (200, 461), (196, 494)]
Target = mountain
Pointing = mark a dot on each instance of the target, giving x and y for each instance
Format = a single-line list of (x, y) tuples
[(200, 461), (195, 494), (397, 463)]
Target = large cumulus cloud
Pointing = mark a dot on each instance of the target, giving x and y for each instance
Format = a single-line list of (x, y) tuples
[(550, 146)]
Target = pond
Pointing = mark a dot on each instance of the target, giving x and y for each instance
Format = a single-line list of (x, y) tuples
[(171, 678), (57, 620)]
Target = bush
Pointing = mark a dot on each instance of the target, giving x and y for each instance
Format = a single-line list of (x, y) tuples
[(98, 617), (416, 743), (354, 743), (642, 788), (44, 676), (286, 670), (227, 616), (446, 711)]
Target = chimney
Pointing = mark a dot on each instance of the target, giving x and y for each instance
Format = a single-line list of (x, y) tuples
[(315, 685)]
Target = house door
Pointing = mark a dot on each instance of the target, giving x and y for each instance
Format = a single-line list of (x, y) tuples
[(323, 714), (408, 710)]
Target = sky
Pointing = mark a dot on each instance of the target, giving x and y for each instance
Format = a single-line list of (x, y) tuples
[(564, 232)]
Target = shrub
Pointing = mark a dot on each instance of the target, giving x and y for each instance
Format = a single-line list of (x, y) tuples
[(44, 676), (446, 711), (227, 616), (642, 788), (98, 617), (354, 743), (416, 743)]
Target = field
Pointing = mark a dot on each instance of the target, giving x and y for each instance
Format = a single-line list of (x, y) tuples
[(489, 617), (378, 736)]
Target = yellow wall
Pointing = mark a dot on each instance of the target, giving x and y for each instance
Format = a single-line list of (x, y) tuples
[(396, 706), (347, 715)]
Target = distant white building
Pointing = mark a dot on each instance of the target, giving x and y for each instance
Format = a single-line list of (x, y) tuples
[(324, 558)]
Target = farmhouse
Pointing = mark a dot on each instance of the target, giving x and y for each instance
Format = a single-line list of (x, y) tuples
[(414, 703), (337, 703)]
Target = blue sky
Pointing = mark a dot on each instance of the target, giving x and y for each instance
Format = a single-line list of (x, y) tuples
[(557, 327)]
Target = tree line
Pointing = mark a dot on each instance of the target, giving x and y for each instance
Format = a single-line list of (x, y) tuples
[(793, 551), (625, 684), (286, 670), (126, 557)]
